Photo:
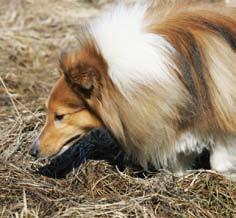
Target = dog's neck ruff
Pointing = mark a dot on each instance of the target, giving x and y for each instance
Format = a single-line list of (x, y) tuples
[(134, 56)]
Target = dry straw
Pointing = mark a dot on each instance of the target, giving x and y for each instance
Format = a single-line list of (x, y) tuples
[(31, 34)]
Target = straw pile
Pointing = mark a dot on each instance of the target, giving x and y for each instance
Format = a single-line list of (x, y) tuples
[(31, 34)]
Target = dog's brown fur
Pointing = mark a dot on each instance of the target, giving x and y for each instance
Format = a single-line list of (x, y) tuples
[(202, 100)]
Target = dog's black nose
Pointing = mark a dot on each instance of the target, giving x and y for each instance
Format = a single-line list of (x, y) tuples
[(34, 151)]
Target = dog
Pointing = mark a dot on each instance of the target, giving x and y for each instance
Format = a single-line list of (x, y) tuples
[(160, 76)]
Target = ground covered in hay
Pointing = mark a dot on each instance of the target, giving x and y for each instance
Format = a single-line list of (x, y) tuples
[(31, 35)]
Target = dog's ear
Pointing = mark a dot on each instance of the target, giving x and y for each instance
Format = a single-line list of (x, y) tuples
[(83, 79), (81, 74)]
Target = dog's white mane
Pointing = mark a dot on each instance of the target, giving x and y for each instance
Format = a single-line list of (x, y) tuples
[(134, 56)]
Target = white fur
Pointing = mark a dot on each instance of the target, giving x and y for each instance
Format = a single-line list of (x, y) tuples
[(134, 56), (191, 143), (223, 156), (187, 148)]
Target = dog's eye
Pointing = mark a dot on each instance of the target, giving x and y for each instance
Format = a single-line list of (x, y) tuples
[(59, 116)]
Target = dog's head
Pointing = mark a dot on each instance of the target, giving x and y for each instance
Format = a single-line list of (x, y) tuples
[(70, 112)]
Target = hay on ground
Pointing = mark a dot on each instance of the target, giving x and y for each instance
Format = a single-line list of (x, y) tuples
[(31, 34)]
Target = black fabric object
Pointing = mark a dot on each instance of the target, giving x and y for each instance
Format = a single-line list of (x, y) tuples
[(202, 160), (96, 145), (99, 144)]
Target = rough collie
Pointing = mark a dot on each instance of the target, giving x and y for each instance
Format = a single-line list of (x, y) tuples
[(160, 77)]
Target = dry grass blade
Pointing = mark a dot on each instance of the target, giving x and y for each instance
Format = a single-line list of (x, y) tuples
[(31, 34)]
